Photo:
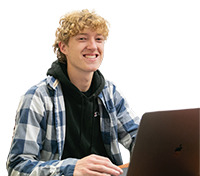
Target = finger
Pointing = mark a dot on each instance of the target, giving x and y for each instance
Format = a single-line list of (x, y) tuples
[(97, 173), (106, 162), (105, 170), (90, 172), (114, 167)]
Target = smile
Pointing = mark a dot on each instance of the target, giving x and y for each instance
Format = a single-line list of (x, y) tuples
[(90, 56)]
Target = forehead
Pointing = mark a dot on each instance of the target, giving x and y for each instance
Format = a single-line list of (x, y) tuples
[(88, 31)]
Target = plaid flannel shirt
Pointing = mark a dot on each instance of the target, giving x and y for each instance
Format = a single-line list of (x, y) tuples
[(39, 133)]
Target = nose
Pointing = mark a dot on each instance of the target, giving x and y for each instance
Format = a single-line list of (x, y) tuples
[(92, 44)]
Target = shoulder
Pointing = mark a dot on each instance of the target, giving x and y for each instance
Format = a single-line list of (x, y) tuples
[(39, 89), (43, 87), (109, 87), (112, 97), (112, 90), (38, 94)]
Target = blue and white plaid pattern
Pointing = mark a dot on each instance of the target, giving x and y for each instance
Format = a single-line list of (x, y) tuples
[(39, 132)]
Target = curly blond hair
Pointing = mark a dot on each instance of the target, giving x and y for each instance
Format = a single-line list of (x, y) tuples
[(73, 23)]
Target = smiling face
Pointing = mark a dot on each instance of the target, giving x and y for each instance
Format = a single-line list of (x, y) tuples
[(84, 52)]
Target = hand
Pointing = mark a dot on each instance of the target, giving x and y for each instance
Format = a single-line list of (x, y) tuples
[(97, 166)]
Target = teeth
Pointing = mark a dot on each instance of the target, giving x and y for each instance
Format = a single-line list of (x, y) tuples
[(90, 57)]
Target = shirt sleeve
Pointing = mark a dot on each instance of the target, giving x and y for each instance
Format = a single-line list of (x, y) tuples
[(25, 156), (128, 121)]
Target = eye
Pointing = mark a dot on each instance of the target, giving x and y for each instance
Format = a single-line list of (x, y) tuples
[(100, 39), (82, 38)]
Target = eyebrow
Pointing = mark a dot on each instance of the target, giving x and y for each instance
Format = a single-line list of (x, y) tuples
[(86, 34), (82, 34)]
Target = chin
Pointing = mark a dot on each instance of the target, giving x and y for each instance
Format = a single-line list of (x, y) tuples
[(89, 68), (92, 68)]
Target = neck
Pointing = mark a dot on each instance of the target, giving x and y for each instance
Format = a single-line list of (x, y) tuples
[(81, 80)]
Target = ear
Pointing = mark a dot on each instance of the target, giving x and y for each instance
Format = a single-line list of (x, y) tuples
[(63, 47)]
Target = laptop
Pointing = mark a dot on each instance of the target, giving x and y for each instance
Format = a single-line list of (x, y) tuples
[(167, 144)]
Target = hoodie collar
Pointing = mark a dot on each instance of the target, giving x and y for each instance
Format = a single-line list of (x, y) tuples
[(59, 71)]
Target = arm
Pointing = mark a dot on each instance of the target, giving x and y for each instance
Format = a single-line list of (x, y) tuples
[(32, 151), (29, 155), (128, 121)]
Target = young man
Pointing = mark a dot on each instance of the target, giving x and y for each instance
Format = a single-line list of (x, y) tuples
[(71, 122)]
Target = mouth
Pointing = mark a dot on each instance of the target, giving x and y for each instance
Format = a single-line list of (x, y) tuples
[(90, 56)]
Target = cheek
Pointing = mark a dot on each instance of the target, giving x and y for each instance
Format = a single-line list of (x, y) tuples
[(101, 49)]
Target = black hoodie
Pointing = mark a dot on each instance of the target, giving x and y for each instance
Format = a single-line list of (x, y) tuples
[(83, 135)]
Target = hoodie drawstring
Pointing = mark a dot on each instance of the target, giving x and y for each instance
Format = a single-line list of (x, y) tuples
[(93, 127), (81, 125), (82, 119)]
